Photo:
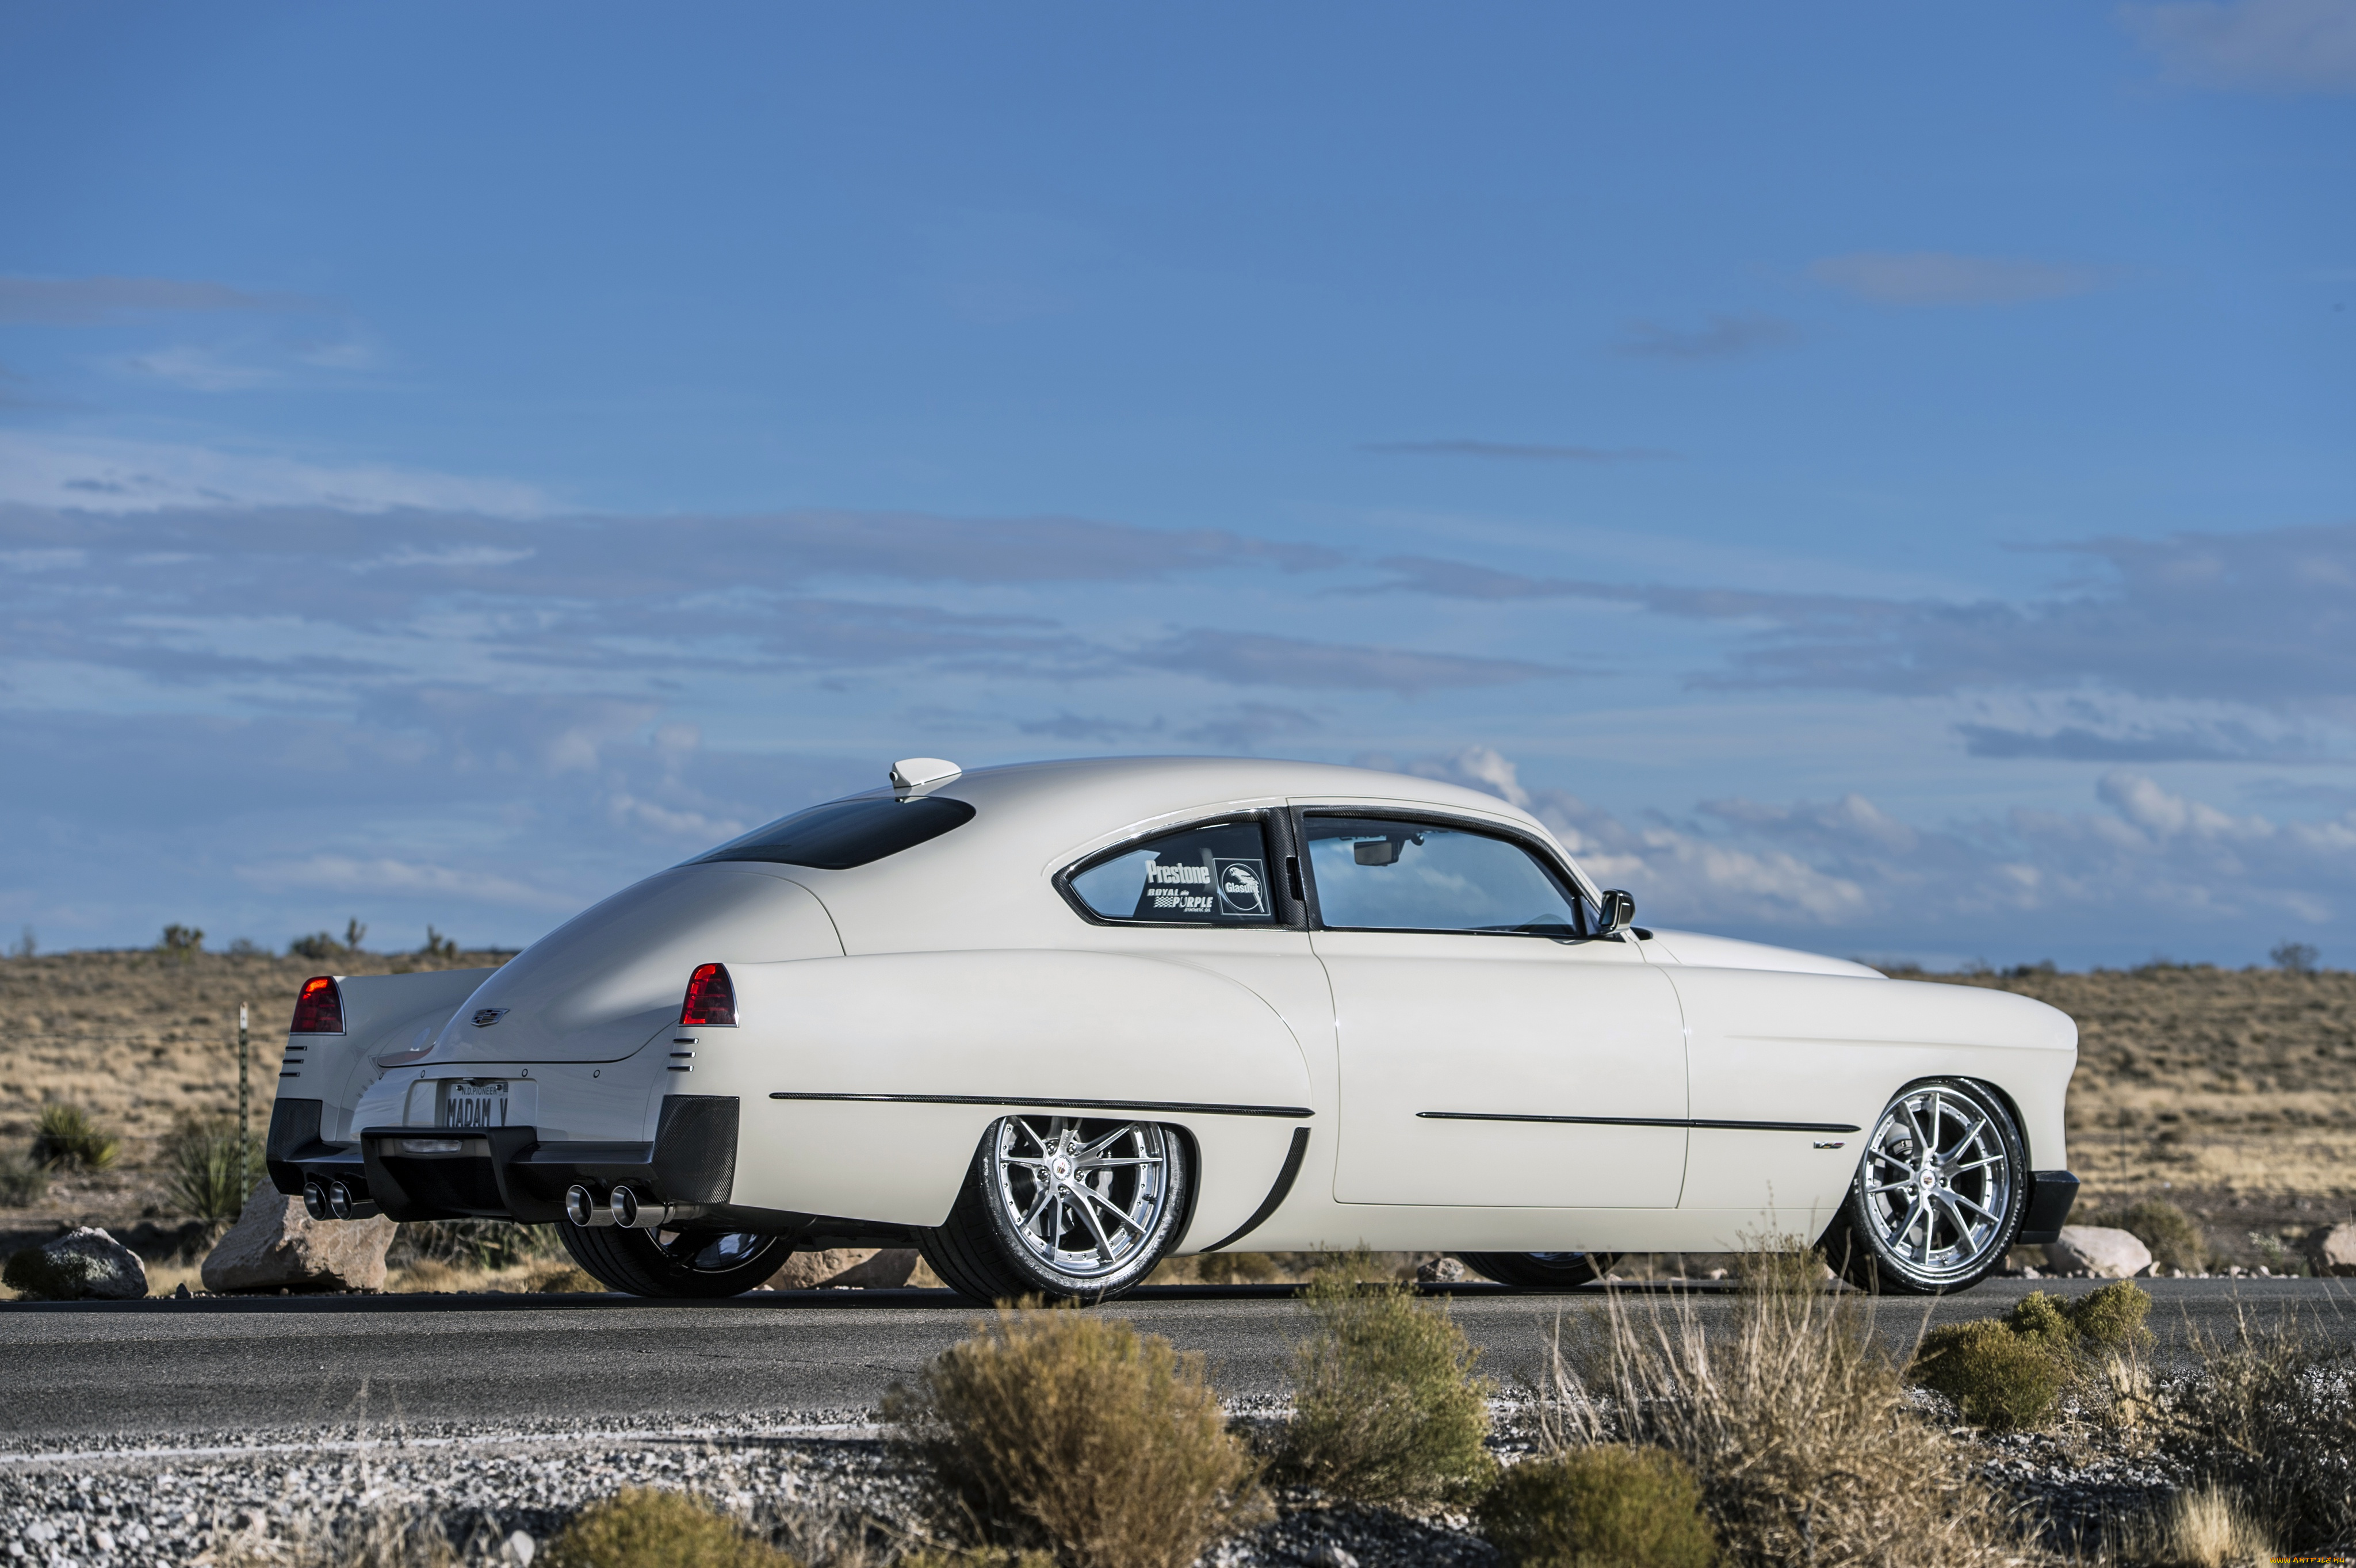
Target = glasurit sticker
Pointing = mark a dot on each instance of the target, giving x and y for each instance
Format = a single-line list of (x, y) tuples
[(1242, 886), (1178, 889)]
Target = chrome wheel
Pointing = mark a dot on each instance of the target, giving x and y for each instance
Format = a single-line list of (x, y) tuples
[(1086, 1200), (1939, 1188)]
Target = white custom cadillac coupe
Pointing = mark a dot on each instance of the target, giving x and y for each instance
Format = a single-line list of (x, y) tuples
[(1055, 1023)]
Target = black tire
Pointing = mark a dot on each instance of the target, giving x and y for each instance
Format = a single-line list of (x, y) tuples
[(695, 1266), (988, 1252), (1985, 1171), (1540, 1271)]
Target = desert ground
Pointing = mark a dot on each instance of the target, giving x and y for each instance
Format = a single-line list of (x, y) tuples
[(2229, 1092)]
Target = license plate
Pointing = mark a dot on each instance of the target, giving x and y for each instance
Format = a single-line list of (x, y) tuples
[(477, 1104)]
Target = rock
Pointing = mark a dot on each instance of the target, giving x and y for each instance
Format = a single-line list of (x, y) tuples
[(847, 1267), (2336, 1253), (518, 1549), (1440, 1272), (275, 1246), (2100, 1252), (1333, 1554), (887, 1269), (81, 1265)]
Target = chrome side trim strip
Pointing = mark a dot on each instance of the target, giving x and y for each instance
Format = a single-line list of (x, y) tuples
[(1638, 1121), (1293, 1112)]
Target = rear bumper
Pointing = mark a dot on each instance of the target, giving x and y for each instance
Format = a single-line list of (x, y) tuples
[(508, 1172), (2051, 1194)]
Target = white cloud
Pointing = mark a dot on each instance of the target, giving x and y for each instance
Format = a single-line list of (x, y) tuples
[(201, 370), (1811, 871), (345, 874), (2266, 45), (98, 474), (1939, 277)]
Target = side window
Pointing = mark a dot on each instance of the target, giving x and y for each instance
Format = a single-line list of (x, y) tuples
[(1215, 874), (1374, 873)]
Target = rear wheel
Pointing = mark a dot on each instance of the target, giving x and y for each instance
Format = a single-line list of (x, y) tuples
[(1540, 1271), (674, 1264), (1064, 1207), (1938, 1194)]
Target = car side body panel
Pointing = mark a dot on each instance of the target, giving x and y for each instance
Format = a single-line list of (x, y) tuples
[(1779, 1045), (891, 1066)]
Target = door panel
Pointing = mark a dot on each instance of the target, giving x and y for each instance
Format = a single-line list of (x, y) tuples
[(1495, 1026)]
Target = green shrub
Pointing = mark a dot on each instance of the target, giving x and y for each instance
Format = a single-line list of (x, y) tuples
[(1072, 1434), (200, 1167), (2112, 1318), (67, 1138), (2041, 1317), (1606, 1507), (2001, 1379), (1385, 1405), (643, 1527), (2173, 1236), (21, 1182)]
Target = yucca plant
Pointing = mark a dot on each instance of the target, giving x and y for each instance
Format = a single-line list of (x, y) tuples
[(68, 1138), (200, 1167)]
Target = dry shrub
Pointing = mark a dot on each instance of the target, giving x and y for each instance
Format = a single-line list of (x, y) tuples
[(1604, 1507), (2173, 1236), (2112, 1318), (21, 1183), (1796, 1426), (1075, 1434), (427, 1277), (1387, 1408), (556, 1278), (2271, 1414), (380, 1538), (1234, 1268), (68, 1138), (646, 1527)]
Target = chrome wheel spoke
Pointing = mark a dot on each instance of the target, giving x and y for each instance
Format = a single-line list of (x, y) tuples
[(1089, 1194)]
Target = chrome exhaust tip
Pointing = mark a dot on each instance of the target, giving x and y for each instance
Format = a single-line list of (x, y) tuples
[(581, 1208), (315, 1198), (339, 1200), (634, 1213)]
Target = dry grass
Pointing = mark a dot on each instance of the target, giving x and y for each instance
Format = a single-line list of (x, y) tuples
[(2233, 1080), (2271, 1415), (1796, 1426), (1387, 1408), (139, 1038), (1072, 1434), (2205, 1527)]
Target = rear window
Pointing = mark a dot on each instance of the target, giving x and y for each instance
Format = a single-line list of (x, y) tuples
[(845, 833)]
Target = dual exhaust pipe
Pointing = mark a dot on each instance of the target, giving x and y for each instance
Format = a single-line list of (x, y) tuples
[(625, 1208), (330, 1198)]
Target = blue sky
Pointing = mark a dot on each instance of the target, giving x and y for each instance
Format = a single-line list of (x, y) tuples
[(1873, 478)]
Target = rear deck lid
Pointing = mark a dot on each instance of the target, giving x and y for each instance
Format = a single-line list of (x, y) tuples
[(599, 986)]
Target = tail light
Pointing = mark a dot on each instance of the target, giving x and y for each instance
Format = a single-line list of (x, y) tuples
[(319, 1010), (710, 999)]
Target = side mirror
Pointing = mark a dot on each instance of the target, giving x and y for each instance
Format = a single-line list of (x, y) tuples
[(1615, 912)]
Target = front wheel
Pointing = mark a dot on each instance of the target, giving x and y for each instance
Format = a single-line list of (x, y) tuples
[(1063, 1208), (1540, 1271), (1938, 1194), (676, 1266)]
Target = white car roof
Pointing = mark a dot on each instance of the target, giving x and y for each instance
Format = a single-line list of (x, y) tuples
[(1033, 819)]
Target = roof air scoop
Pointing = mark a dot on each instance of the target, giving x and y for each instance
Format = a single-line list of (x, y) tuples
[(921, 772)]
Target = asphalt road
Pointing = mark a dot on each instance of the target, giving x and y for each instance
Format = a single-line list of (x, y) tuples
[(156, 1372)]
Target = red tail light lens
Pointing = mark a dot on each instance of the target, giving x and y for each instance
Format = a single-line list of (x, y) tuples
[(711, 998), (319, 1010)]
